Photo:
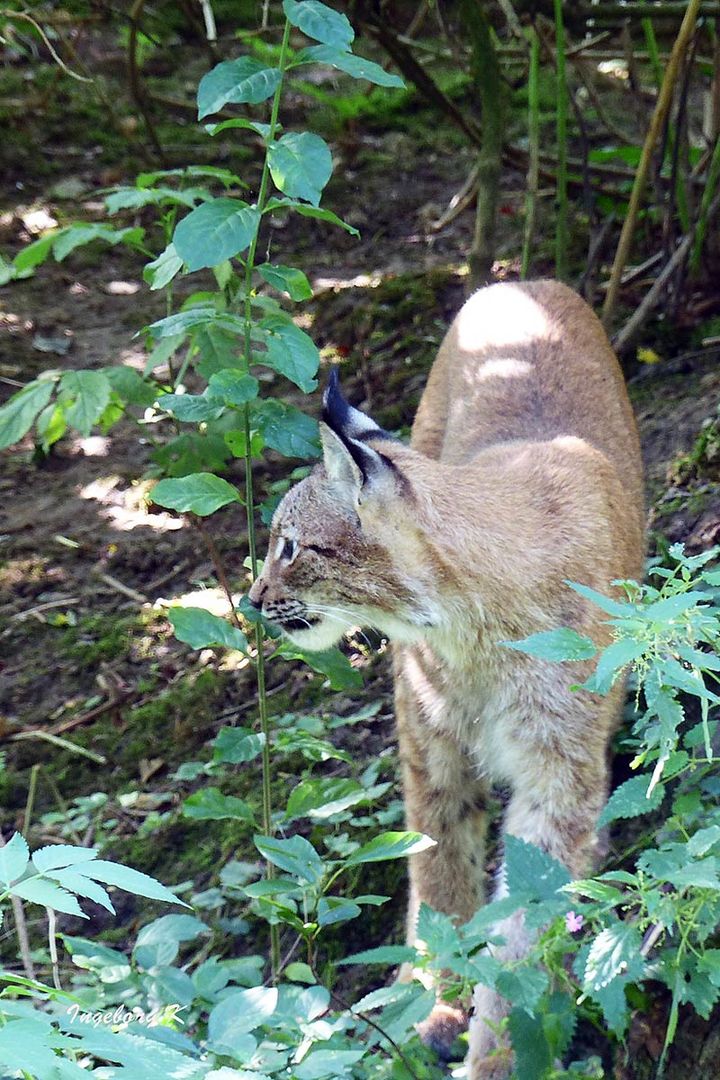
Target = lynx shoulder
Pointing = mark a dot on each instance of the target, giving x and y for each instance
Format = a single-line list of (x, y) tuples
[(523, 472)]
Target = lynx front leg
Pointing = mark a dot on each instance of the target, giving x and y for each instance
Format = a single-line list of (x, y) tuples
[(556, 809), (445, 800)]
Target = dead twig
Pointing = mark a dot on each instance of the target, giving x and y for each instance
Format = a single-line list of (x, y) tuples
[(21, 616), (118, 586), (219, 565), (64, 744), (93, 714), (625, 335), (658, 118), (6, 13), (158, 582)]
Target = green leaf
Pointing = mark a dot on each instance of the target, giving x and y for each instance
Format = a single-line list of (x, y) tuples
[(357, 66), (287, 279), (331, 662), (76, 236), (90, 394), (218, 350), (35, 253), (68, 879), (324, 796), (670, 607), (290, 351), (605, 603), (235, 746), (244, 80), (201, 629), (193, 408), (385, 954), (615, 951), (560, 645), (532, 872), (287, 430), (132, 881), (532, 1053), (209, 804), (51, 425), (320, 22), (523, 987), (300, 164), (173, 326), (215, 231), (239, 122), (612, 661), (296, 855), (321, 1063), (703, 840), (233, 387), (162, 270), (390, 845), (133, 198), (199, 493), (308, 211), (47, 893), (129, 384), (14, 857), (631, 799), (300, 972), (55, 856), (17, 414), (335, 909), (240, 1013)]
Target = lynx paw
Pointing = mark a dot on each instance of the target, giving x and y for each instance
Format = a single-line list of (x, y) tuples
[(442, 1028)]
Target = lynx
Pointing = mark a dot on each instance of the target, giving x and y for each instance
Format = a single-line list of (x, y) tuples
[(523, 473)]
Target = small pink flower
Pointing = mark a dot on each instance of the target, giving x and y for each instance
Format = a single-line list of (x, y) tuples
[(573, 922)]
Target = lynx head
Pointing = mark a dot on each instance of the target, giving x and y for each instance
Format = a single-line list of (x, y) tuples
[(345, 545)]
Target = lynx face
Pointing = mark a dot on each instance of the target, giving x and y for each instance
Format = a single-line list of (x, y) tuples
[(343, 550)]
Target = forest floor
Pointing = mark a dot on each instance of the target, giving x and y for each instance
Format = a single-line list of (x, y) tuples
[(87, 571)]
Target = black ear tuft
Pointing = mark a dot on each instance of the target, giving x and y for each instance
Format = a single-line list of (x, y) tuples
[(345, 420), (336, 411)]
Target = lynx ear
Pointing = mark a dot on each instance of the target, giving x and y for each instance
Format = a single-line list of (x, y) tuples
[(348, 458), (338, 414), (342, 470)]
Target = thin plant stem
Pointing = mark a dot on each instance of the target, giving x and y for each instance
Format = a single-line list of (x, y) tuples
[(658, 118), (249, 488), (30, 801), (219, 566), (708, 194), (533, 152), (653, 53), (561, 229)]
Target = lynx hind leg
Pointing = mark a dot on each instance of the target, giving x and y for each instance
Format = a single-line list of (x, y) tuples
[(445, 800), (556, 809)]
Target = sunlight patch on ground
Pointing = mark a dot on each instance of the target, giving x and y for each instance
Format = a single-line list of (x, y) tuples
[(93, 446), (38, 220), (122, 288), (359, 282), (125, 508)]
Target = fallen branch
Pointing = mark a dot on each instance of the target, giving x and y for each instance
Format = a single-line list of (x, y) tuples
[(64, 744)]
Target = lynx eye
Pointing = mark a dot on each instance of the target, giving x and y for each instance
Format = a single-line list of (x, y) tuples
[(286, 549)]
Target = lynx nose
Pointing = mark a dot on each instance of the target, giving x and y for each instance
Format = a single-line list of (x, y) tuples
[(257, 593)]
